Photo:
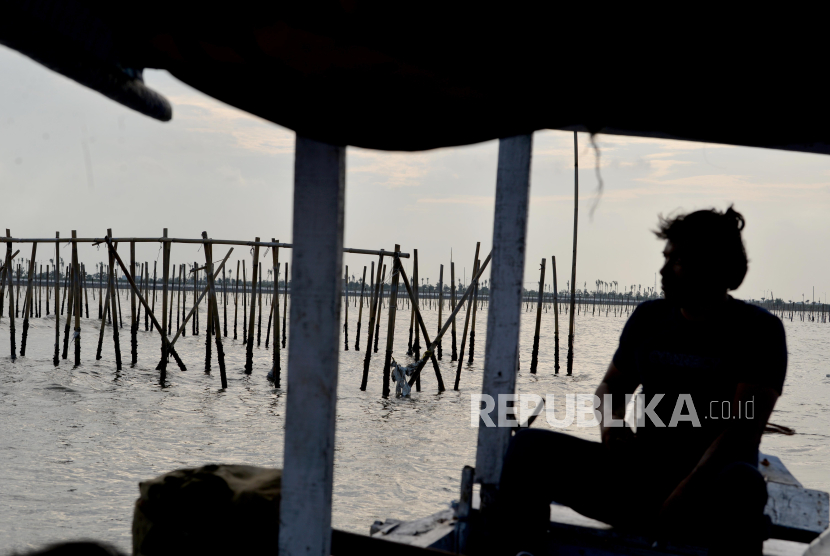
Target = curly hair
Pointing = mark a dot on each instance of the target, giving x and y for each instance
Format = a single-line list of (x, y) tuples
[(711, 237)]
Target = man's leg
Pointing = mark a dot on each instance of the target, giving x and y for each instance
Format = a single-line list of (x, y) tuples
[(738, 526), (541, 467)]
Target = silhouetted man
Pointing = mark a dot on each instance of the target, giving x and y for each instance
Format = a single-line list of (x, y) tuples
[(698, 352)]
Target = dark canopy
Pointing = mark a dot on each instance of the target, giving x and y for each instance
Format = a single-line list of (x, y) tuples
[(416, 75)]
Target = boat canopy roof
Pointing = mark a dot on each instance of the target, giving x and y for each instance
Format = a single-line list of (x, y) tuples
[(416, 76)]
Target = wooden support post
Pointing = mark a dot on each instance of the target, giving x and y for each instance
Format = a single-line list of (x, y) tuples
[(360, 311), (373, 315), (466, 321), (413, 298), (275, 365), (534, 357), (224, 302), (573, 261), (27, 301), (440, 304), (165, 271), (76, 274), (244, 305), (346, 311), (214, 310), (133, 314), (86, 294), (155, 281), (285, 306), (473, 323), (146, 294), (380, 307), (416, 346), (555, 319), (454, 356), (115, 310), (305, 508), (249, 350), (390, 330), (259, 306), (147, 310), (196, 301), (55, 358), (236, 301), (8, 273), (504, 315)]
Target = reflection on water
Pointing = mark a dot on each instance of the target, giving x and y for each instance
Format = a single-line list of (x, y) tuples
[(75, 442)]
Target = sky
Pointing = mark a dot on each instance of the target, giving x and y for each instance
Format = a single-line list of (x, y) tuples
[(71, 159)]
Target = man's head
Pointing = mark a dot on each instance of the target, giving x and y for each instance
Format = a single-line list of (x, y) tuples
[(705, 256)]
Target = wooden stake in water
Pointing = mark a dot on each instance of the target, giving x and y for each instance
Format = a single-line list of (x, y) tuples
[(115, 310), (259, 307), (249, 352), (534, 358), (454, 356), (440, 304), (275, 364), (55, 358), (7, 271), (466, 321), (346, 311), (390, 332), (285, 306), (416, 347), (360, 311), (224, 304), (133, 314), (27, 301), (380, 306), (373, 314), (236, 300), (76, 269), (244, 304), (473, 323), (555, 319), (220, 353), (573, 261)]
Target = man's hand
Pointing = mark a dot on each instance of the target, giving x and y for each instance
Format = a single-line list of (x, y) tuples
[(618, 385)]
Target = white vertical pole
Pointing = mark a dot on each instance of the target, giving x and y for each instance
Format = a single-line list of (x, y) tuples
[(305, 509), (503, 317)]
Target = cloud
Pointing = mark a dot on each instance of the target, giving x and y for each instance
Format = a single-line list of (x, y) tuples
[(390, 169), (250, 133), (476, 200)]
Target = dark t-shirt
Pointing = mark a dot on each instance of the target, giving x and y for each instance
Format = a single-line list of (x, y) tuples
[(671, 355)]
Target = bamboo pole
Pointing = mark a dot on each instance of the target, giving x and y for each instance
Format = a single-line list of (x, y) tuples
[(133, 314), (276, 365), (27, 301), (214, 310), (360, 311), (259, 306), (429, 353), (466, 320), (172, 299), (373, 314), (440, 303), (8, 273), (573, 261), (115, 309), (77, 295), (69, 296), (196, 301), (534, 358), (555, 319), (454, 356), (249, 352), (244, 305), (467, 295), (147, 310), (235, 300), (118, 299), (346, 311), (285, 307), (390, 334), (86, 294), (380, 307), (107, 307), (473, 323), (55, 358), (224, 303), (416, 347)]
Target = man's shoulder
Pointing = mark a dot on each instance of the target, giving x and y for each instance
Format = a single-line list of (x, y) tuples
[(754, 314)]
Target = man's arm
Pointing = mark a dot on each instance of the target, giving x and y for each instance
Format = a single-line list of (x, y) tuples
[(738, 442), (618, 384)]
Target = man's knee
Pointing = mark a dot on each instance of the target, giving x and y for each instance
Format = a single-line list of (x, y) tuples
[(744, 484)]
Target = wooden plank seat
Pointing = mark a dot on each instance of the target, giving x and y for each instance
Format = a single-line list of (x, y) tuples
[(798, 515)]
